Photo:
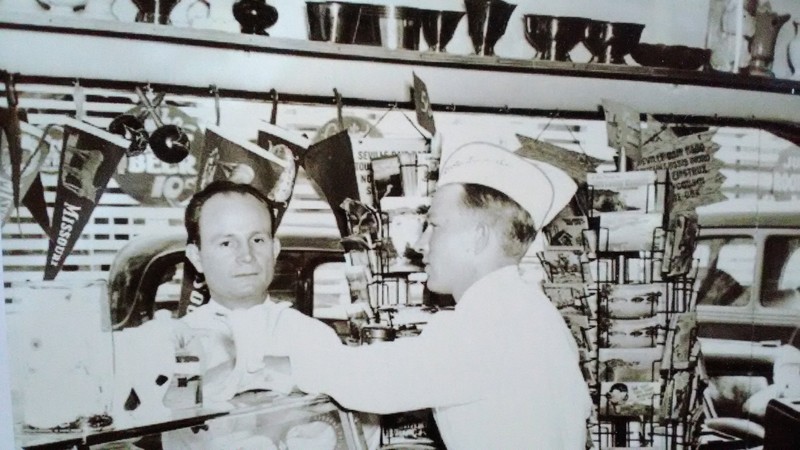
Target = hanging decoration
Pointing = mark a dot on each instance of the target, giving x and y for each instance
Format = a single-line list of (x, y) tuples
[(574, 164), (9, 120), (34, 151), (143, 175), (89, 157), (694, 172), (624, 131), (269, 166), (329, 164), (422, 105)]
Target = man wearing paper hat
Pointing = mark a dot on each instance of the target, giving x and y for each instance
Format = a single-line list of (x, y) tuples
[(501, 371)]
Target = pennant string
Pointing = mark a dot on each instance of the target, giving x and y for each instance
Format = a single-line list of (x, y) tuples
[(338, 99), (394, 107), (215, 91), (273, 117), (11, 91), (79, 97)]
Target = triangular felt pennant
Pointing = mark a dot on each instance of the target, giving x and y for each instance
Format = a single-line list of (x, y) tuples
[(288, 146), (194, 291), (574, 164), (422, 104), (227, 157), (9, 119), (89, 157), (36, 204), (34, 152), (329, 163)]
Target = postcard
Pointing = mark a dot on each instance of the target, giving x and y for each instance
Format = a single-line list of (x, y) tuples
[(630, 333), (564, 295), (625, 191), (632, 301), (677, 396), (386, 177), (563, 264), (629, 231), (567, 230), (629, 364), (680, 339), (631, 399)]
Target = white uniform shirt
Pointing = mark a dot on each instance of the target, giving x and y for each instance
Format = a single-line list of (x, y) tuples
[(501, 371), (235, 349)]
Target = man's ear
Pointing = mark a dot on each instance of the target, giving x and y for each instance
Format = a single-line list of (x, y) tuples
[(482, 237), (193, 253), (276, 248)]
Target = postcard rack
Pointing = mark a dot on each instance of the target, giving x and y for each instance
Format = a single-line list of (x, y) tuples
[(620, 269)]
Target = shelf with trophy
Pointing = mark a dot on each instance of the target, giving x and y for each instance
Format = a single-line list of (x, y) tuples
[(387, 42), (619, 267)]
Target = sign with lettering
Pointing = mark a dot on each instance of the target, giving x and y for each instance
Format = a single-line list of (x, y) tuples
[(154, 182), (88, 158), (693, 170), (786, 178)]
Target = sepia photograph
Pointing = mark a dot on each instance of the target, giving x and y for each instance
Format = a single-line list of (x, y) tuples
[(389, 224)]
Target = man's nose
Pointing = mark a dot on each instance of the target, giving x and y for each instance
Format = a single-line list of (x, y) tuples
[(421, 246), (245, 253)]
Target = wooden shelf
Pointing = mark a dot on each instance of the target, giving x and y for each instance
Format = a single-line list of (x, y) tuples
[(65, 49)]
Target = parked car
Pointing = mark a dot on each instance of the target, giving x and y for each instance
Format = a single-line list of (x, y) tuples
[(748, 308), (146, 275)]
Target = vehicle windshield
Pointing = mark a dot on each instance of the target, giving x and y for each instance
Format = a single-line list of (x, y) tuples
[(725, 270), (780, 279)]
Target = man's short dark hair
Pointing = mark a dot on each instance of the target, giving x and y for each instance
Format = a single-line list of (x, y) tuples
[(517, 229), (199, 199)]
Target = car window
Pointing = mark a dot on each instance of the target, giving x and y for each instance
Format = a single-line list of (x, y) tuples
[(725, 270), (780, 285)]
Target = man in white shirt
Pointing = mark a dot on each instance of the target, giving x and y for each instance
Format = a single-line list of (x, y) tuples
[(231, 242), (501, 371)]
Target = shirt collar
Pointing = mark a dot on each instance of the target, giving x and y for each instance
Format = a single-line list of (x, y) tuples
[(486, 286), (220, 309)]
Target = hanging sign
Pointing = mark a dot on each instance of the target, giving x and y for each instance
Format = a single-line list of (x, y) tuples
[(154, 182), (34, 151), (786, 178), (88, 158), (693, 170), (422, 104)]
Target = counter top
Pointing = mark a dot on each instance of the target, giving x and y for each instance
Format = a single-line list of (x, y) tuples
[(247, 404)]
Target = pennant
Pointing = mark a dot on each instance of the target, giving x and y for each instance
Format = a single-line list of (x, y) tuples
[(574, 164), (89, 157), (229, 158), (330, 165), (289, 147), (36, 204), (34, 151), (623, 128), (10, 122), (422, 105)]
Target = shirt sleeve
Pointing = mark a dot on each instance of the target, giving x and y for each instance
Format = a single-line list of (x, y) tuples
[(388, 377)]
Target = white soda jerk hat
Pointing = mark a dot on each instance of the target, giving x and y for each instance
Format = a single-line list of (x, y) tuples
[(539, 188)]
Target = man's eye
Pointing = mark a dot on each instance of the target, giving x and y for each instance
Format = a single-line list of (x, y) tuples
[(225, 243), (259, 240)]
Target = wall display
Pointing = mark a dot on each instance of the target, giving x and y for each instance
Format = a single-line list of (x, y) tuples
[(152, 181), (88, 159)]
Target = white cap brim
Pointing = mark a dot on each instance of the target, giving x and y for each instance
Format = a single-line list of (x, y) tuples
[(539, 188)]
